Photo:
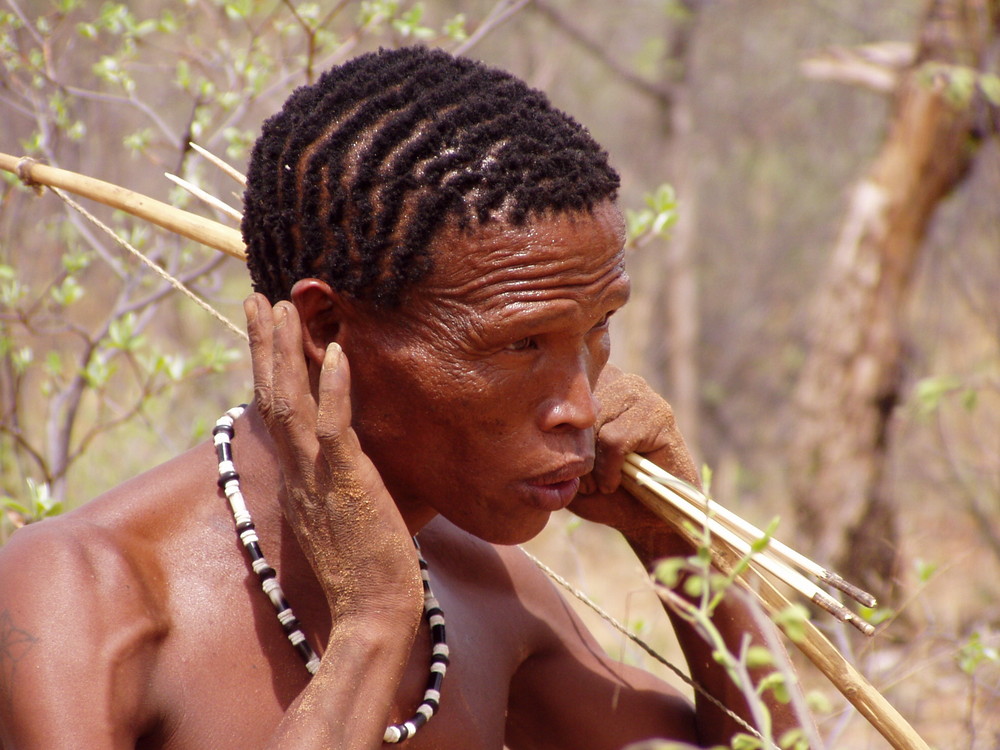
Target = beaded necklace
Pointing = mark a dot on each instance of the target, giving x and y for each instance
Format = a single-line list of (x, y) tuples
[(229, 481)]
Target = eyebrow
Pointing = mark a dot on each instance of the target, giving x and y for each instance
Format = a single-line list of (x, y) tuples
[(530, 314)]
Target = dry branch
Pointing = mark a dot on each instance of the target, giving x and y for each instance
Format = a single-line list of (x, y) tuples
[(873, 66)]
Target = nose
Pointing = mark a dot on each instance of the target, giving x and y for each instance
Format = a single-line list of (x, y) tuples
[(573, 405)]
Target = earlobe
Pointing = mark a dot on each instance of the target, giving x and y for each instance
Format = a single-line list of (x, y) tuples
[(320, 310)]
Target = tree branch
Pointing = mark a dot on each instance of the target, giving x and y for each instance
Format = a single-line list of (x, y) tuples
[(658, 92)]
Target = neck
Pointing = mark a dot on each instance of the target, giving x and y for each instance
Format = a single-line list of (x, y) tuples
[(260, 471)]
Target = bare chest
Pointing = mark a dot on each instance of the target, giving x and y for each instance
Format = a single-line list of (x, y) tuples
[(232, 672)]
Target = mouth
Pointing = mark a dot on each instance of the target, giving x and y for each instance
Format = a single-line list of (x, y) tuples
[(555, 490)]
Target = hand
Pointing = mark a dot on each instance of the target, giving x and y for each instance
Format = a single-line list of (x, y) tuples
[(632, 419), (343, 517)]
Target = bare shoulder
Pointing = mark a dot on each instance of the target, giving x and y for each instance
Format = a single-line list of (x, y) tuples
[(83, 612), (76, 619)]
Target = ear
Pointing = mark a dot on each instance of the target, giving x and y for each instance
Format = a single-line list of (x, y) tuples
[(322, 312)]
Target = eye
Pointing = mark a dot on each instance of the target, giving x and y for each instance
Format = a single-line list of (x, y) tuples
[(521, 345), (603, 322)]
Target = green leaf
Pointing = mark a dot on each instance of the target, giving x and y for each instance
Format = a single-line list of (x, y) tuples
[(930, 392), (792, 620), (42, 503), (138, 141), (975, 653), (743, 741), (877, 615), (989, 84), (12, 291), (21, 359), (373, 13), (970, 398), (723, 658), (53, 364), (818, 703), (182, 74), (704, 556), (76, 131), (11, 504), (706, 479), (759, 656), (68, 292), (663, 199), (759, 545), (238, 10), (238, 142), (663, 203), (668, 571), (454, 28), (98, 372), (637, 223), (794, 739), (694, 585), (168, 23), (122, 334), (216, 357), (775, 682), (173, 366), (409, 23), (925, 570)]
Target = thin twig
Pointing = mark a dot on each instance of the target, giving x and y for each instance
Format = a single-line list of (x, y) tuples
[(497, 16), (153, 266), (662, 94)]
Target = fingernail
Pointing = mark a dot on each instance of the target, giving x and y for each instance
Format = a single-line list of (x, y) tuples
[(280, 314), (250, 308), (333, 356)]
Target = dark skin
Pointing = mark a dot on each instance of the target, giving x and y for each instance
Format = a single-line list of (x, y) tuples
[(466, 417)]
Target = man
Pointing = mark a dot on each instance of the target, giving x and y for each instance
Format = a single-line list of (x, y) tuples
[(436, 253)]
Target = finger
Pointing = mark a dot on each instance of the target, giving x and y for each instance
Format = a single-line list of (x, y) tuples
[(614, 441), (339, 442), (290, 413), (333, 416), (260, 332)]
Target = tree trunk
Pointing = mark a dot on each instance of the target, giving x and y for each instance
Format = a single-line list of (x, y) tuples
[(851, 379), (666, 315)]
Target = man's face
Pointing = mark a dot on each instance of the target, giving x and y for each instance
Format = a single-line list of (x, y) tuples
[(476, 399)]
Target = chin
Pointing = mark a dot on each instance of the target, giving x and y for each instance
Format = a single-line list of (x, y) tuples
[(505, 532)]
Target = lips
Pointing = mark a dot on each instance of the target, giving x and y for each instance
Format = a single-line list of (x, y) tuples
[(555, 490)]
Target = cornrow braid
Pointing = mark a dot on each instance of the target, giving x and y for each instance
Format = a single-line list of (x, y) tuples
[(351, 180)]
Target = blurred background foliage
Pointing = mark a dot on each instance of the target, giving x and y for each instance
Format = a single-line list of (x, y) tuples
[(104, 371)]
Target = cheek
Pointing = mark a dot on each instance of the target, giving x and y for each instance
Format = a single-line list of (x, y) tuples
[(600, 351)]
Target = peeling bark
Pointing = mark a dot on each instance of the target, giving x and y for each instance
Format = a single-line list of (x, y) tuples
[(852, 375)]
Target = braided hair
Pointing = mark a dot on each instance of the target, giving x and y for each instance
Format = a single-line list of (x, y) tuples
[(351, 180)]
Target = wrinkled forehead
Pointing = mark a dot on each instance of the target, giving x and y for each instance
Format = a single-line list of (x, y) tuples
[(563, 251)]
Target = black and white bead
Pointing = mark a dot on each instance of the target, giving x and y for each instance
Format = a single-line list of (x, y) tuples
[(439, 663), (229, 481)]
